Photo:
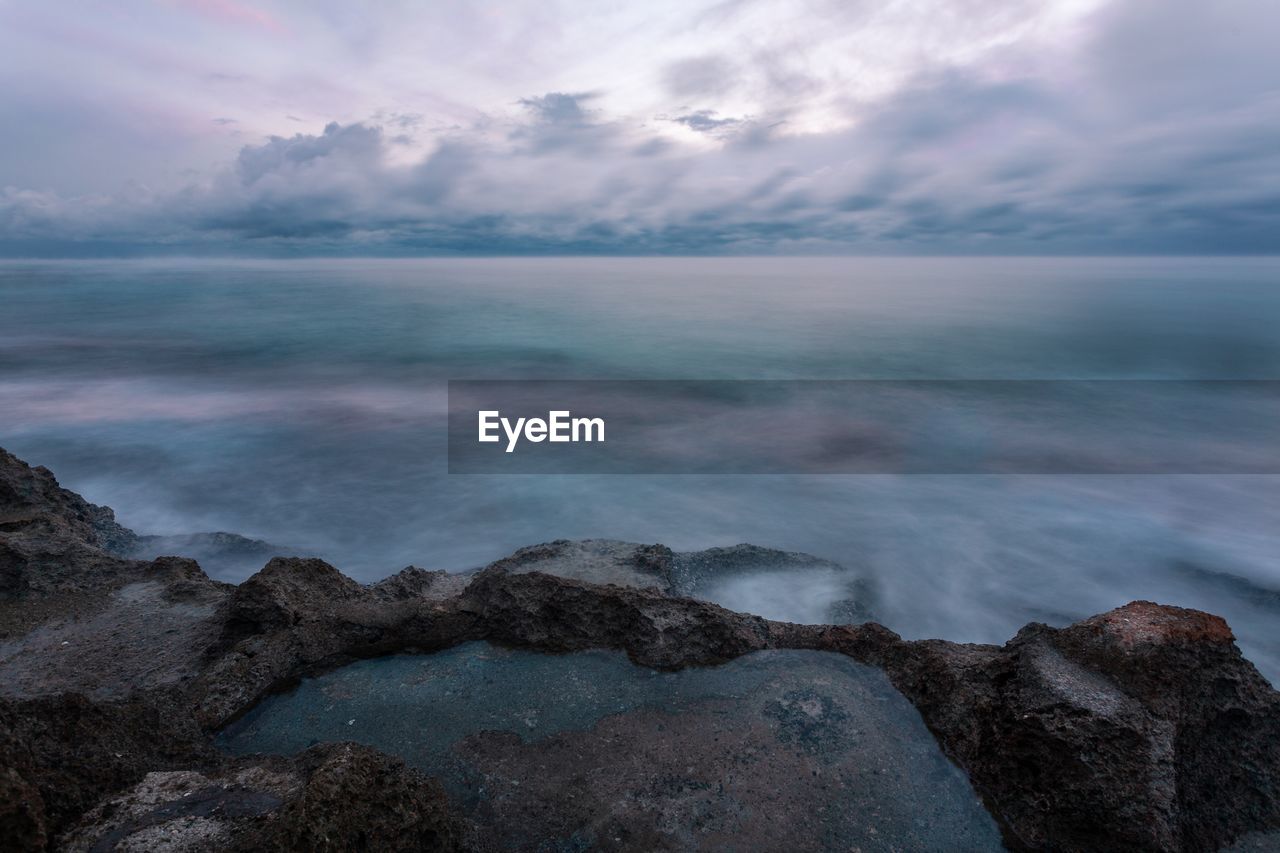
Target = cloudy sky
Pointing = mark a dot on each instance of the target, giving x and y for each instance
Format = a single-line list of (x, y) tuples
[(665, 126)]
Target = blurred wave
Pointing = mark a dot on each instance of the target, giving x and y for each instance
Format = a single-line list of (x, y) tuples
[(302, 402)]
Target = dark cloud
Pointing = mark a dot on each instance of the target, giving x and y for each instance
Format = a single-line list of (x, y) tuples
[(707, 121), (562, 122), (400, 120), (304, 154), (559, 108)]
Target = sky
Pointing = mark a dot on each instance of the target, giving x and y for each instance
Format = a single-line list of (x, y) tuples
[(135, 127)]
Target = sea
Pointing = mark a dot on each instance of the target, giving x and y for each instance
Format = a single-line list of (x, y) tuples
[(303, 402)]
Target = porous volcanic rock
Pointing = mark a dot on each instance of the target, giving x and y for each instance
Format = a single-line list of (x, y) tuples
[(538, 611), (51, 539), (34, 507), (1140, 729), (332, 797), (64, 752), (693, 574), (692, 570), (601, 561)]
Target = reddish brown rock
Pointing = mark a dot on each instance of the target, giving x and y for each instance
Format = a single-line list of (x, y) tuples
[(1140, 729)]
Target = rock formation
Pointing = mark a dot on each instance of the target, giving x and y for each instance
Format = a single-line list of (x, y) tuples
[(1140, 729)]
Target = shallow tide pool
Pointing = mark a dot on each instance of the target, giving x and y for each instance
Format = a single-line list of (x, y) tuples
[(807, 750)]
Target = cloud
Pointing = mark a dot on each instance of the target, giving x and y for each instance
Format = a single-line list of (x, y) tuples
[(559, 108), (1115, 142), (699, 77), (706, 121)]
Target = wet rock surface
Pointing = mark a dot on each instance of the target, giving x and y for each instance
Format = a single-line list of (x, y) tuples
[(602, 561), (146, 635), (1140, 729)]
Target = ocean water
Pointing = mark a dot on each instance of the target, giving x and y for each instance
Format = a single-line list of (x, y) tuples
[(303, 402)]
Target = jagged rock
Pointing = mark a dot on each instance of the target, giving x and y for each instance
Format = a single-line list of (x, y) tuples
[(1140, 729), (52, 540), (556, 614), (694, 569), (602, 561), (298, 616), (358, 798), (287, 591), (1222, 717), (412, 582), (71, 751), (694, 574), (32, 502), (333, 797)]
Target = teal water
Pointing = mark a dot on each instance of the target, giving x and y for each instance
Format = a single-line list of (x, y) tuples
[(856, 755), (420, 706), (302, 402)]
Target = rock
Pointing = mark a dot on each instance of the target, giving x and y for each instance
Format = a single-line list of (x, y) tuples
[(1222, 718), (1140, 729), (52, 541), (333, 797), (287, 591), (152, 634), (358, 798), (22, 819), (540, 611), (414, 583), (67, 752), (32, 502), (601, 561), (694, 570), (299, 616), (696, 574)]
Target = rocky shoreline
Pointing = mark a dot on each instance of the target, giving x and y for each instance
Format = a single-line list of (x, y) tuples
[(1139, 729)]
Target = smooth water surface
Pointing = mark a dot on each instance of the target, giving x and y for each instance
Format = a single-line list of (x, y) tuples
[(302, 402), (810, 737)]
